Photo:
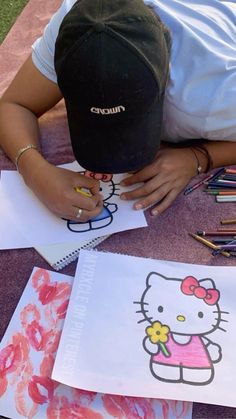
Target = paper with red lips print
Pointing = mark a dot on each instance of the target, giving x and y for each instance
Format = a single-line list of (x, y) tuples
[(27, 354)]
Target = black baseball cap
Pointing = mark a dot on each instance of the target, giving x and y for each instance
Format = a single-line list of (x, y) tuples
[(112, 61)]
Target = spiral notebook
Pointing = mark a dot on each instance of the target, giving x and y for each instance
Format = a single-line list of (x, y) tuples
[(59, 255)]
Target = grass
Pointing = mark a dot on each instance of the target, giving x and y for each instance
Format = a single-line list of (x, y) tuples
[(9, 10)]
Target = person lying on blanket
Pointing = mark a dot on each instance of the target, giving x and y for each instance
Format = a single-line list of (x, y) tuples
[(149, 89)]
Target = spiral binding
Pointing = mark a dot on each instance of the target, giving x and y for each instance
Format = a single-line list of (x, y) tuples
[(73, 255)]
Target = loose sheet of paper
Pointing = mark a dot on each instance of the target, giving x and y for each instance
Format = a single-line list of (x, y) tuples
[(10, 236), (27, 353), (150, 328), (39, 226)]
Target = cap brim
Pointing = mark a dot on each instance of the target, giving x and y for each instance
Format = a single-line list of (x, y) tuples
[(116, 148)]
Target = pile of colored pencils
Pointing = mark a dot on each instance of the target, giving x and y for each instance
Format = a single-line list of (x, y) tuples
[(223, 187), (222, 241)]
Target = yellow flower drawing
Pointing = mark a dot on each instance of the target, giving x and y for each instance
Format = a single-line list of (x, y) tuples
[(158, 333)]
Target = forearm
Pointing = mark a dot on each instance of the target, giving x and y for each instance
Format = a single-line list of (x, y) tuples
[(54, 187), (28, 97), (223, 153), (19, 128)]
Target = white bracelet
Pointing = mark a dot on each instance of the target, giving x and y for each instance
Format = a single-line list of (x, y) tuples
[(22, 151)]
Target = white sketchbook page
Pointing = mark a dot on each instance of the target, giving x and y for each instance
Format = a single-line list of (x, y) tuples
[(101, 348), (10, 237), (27, 352), (40, 226), (60, 255)]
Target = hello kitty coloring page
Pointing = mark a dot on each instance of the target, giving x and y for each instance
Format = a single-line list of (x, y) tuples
[(117, 214), (150, 328), (177, 339)]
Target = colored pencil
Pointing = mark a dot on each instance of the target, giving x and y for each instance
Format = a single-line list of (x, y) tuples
[(227, 246), (203, 181), (221, 193), (214, 191), (219, 188), (221, 185), (229, 221), (222, 240), (226, 230), (233, 171), (228, 177), (229, 198), (216, 233), (225, 193), (209, 244), (196, 185), (229, 182), (218, 173)]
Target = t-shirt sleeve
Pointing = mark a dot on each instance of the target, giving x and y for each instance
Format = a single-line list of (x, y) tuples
[(44, 47)]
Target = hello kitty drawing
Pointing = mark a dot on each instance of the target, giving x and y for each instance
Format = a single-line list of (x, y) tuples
[(177, 335), (108, 188)]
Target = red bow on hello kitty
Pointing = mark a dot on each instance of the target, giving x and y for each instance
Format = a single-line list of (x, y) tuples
[(99, 176), (191, 286)]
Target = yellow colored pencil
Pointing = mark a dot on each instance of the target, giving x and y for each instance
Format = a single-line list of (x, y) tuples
[(80, 190)]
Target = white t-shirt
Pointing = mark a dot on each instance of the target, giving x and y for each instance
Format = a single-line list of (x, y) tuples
[(200, 100)]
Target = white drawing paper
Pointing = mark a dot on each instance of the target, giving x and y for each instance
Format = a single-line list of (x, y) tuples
[(27, 353), (39, 226), (150, 328), (10, 236)]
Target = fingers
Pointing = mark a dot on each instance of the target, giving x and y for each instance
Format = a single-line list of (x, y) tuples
[(71, 201), (150, 198), (144, 190), (165, 203), (162, 180), (86, 202), (83, 205), (55, 187), (91, 184), (81, 215), (81, 208), (157, 196), (138, 177)]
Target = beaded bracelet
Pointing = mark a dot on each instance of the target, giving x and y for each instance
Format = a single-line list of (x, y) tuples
[(22, 151)]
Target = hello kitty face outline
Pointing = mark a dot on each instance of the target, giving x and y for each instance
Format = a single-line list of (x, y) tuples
[(104, 178), (150, 317)]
